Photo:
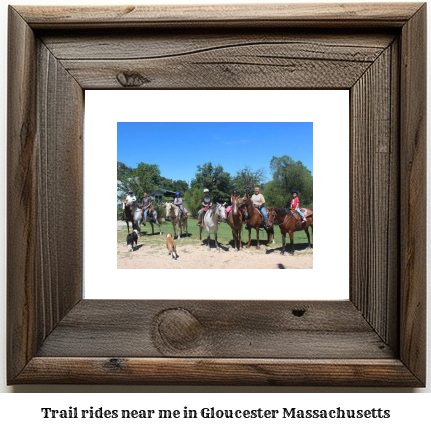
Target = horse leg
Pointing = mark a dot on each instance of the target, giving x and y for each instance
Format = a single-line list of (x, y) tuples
[(292, 247), (234, 238), (249, 237), (215, 239), (208, 239), (308, 237), (200, 233), (257, 238), (283, 241), (270, 233)]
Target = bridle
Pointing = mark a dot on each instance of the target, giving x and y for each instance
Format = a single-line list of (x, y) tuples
[(284, 221)]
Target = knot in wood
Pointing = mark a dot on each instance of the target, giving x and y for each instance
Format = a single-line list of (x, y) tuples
[(131, 79), (298, 312), (178, 329)]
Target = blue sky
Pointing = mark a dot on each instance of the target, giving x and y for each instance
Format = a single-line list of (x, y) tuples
[(177, 148)]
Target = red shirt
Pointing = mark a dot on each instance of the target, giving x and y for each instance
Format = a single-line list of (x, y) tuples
[(294, 202)]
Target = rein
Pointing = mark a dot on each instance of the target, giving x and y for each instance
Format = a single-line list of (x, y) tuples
[(284, 220)]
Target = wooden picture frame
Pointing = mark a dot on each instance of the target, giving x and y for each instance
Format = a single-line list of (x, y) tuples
[(376, 338)]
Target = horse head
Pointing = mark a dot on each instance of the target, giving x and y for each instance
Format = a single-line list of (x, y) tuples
[(168, 207), (243, 201), (221, 209), (235, 206), (272, 216)]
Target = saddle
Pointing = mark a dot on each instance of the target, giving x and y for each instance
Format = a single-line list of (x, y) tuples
[(305, 212), (262, 219)]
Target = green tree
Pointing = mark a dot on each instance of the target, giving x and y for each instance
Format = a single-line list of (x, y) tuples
[(287, 175), (143, 178), (215, 179), (247, 179), (274, 195), (180, 186), (193, 200)]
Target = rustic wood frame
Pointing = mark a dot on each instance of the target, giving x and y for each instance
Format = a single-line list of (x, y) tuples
[(376, 338)]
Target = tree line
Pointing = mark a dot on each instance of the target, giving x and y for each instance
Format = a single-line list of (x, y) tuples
[(286, 174)]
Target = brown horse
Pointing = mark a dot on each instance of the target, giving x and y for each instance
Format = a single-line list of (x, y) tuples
[(235, 222), (128, 215), (255, 220), (289, 222)]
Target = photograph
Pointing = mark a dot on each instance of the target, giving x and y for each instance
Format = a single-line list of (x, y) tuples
[(355, 319), (186, 211)]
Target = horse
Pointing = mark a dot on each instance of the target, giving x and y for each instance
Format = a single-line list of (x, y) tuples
[(255, 220), (210, 222), (235, 222), (132, 215), (152, 219), (289, 222), (178, 218)]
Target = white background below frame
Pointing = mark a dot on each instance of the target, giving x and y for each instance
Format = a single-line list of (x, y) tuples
[(329, 112)]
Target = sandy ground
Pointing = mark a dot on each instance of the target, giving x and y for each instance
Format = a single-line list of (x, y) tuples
[(198, 257)]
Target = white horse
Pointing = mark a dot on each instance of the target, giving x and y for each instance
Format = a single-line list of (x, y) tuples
[(152, 218), (137, 218), (132, 213), (178, 218), (211, 220)]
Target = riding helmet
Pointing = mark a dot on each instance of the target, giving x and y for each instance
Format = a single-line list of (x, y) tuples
[(234, 192), (177, 193), (206, 190), (294, 191)]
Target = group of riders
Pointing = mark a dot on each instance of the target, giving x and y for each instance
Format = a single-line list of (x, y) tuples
[(257, 199)]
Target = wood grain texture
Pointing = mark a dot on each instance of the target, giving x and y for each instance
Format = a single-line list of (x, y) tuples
[(299, 14), (376, 338), (235, 329), (196, 371), (59, 183), (22, 199), (209, 59), (45, 185), (373, 195), (413, 194)]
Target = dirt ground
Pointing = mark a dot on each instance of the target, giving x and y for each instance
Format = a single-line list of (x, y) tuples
[(197, 256)]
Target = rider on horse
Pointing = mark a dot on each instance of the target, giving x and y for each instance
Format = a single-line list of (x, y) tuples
[(294, 204), (206, 204), (130, 199), (233, 197), (146, 206), (178, 201), (259, 203)]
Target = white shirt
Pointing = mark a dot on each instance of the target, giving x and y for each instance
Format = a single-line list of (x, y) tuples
[(130, 199)]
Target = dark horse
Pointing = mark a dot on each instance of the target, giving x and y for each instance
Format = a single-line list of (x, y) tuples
[(255, 220), (128, 216), (235, 222), (289, 222), (152, 218)]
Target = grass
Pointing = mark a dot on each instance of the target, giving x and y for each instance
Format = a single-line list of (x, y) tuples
[(224, 236)]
